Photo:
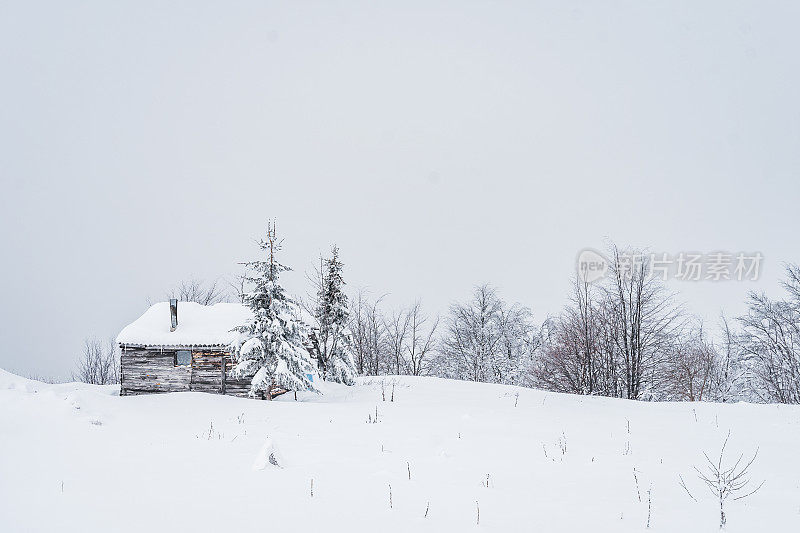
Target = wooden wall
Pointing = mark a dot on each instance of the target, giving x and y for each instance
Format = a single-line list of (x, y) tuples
[(234, 386), (207, 372), (147, 370)]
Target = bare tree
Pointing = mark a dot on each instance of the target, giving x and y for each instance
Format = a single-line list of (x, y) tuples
[(693, 366), (518, 342), (643, 320), (422, 338), (397, 328), (316, 281), (472, 337), (98, 363), (485, 339), (727, 481), (359, 328), (731, 378), (614, 338), (369, 334), (311, 305), (585, 320), (398, 343), (238, 287), (770, 342), (194, 290), (578, 355)]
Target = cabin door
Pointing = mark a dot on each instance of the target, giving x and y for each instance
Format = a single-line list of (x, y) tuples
[(207, 372)]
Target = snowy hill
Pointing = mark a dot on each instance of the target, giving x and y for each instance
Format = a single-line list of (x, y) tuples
[(76, 457)]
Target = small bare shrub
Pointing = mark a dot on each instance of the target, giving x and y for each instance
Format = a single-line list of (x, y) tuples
[(725, 482)]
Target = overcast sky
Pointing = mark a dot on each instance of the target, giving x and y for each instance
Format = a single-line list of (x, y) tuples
[(440, 145)]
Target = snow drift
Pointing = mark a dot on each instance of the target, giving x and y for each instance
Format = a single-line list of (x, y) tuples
[(76, 457)]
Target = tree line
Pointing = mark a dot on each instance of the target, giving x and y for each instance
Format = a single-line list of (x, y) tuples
[(625, 336)]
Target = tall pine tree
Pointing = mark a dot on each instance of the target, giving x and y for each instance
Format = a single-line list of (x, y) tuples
[(333, 341), (271, 345)]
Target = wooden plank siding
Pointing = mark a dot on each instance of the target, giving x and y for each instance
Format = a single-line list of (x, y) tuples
[(235, 386), (207, 372), (147, 370)]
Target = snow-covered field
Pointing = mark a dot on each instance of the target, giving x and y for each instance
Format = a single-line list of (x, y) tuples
[(77, 457)]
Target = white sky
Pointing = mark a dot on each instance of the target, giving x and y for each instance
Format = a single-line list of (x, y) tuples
[(439, 146)]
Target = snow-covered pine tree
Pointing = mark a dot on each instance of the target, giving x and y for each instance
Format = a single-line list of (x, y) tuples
[(333, 342), (271, 345)]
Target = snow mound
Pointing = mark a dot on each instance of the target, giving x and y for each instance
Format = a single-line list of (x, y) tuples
[(268, 456)]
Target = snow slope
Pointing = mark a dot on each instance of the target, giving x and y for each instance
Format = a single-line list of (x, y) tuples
[(76, 457)]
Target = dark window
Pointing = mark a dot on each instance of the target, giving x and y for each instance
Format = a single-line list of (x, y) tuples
[(183, 358)]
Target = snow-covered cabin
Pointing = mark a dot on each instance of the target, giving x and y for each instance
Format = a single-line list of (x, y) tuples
[(182, 347)]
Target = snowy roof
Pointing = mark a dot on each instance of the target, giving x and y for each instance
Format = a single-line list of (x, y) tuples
[(198, 325)]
